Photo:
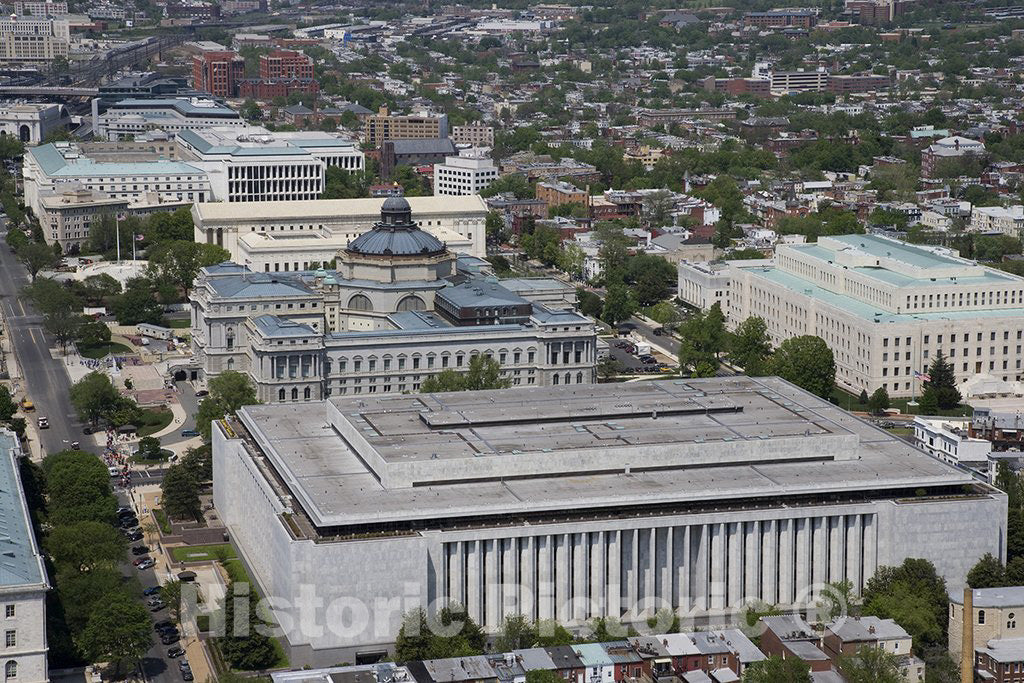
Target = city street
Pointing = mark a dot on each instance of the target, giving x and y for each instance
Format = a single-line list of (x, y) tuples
[(43, 376)]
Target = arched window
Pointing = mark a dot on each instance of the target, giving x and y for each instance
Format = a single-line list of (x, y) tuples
[(295, 393), (306, 394), (11, 670), (579, 378), (568, 378), (360, 302), (231, 363), (555, 379), (280, 394), (412, 303), (981, 616)]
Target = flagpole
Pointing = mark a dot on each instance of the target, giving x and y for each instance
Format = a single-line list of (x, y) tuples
[(117, 219)]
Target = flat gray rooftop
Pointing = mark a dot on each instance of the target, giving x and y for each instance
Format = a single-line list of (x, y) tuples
[(371, 460)]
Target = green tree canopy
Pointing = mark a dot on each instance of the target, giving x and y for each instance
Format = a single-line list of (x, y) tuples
[(775, 669), (179, 261), (871, 665), (807, 362), (119, 631), (180, 494), (85, 546), (703, 338), (940, 389), (749, 346), (36, 256), (93, 396), (229, 391), (483, 373), (915, 596)]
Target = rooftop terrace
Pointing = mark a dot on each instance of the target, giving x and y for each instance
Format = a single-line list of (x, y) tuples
[(370, 460)]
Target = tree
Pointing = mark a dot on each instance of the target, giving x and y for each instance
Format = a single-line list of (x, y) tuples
[(7, 405), (837, 598), (987, 573), (483, 373), (651, 277), (749, 346), (702, 339), (36, 256), (137, 305), (119, 631), (871, 665), (657, 208), (170, 593), (551, 634), (93, 396), (180, 494), (589, 303), (149, 448), (617, 305), (543, 676), (879, 401), (775, 669), (179, 261), (608, 368), (862, 398), (807, 362), (229, 391), (92, 332), (64, 328), (915, 596), (418, 640), (517, 632), (85, 546), (940, 389), (245, 645)]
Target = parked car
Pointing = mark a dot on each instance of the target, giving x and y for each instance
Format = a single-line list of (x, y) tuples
[(75, 446), (140, 560), (142, 550), (153, 590), (147, 563), (202, 392), (156, 607), (87, 430), (175, 652), (189, 433), (186, 675), (170, 638), (129, 522), (183, 665), (165, 624), (135, 536), (43, 422), (114, 472)]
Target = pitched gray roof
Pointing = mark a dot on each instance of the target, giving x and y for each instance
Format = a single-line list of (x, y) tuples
[(20, 561)]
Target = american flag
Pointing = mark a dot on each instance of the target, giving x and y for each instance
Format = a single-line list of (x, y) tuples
[(922, 376)]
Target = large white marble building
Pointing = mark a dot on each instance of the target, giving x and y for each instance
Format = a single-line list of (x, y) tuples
[(885, 308), (393, 311), (23, 582), (574, 502), (130, 118), (286, 236)]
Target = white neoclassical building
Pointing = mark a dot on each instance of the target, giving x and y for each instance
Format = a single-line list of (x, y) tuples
[(575, 502), (286, 236), (884, 307), (395, 310)]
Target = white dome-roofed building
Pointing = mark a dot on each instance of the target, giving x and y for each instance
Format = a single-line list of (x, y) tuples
[(394, 267)]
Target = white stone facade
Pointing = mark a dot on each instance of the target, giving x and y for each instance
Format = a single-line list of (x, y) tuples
[(456, 221), (886, 309)]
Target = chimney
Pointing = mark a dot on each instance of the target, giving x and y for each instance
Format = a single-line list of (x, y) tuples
[(967, 644)]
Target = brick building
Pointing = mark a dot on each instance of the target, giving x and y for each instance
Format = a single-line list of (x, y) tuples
[(217, 72)]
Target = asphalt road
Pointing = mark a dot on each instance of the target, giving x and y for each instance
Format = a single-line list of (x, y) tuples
[(156, 665), (43, 378)]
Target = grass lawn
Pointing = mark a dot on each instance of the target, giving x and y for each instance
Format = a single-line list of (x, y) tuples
[(848, 401), (154, 420), (200, 553), (179, 324), (236, 570), (102, 350), (161, 519), (901, 431)]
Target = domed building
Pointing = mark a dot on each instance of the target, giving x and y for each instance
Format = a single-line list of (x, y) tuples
[(397, 308), (394, 267)]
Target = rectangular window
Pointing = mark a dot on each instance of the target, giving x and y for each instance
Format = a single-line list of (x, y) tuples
[(9, 611), (11, 638)]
